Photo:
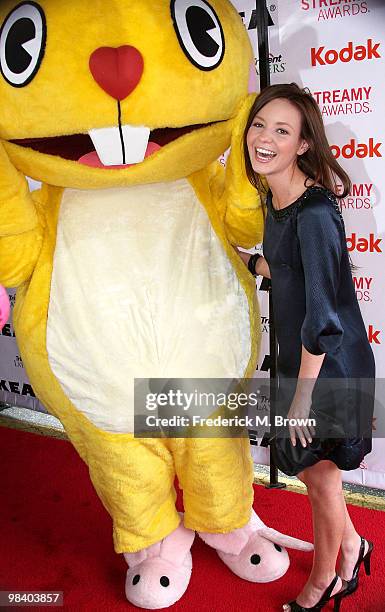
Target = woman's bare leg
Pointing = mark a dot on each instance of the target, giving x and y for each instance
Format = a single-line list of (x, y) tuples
[(350, 548), (324, 485)]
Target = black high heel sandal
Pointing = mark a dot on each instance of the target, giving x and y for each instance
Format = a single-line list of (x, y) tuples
[(327, 596), (352, 584)]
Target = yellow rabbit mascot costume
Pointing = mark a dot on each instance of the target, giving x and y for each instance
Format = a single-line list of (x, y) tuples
[(123, 260)]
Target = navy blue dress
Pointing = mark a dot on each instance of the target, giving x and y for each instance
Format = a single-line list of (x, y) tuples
[(315, 305)]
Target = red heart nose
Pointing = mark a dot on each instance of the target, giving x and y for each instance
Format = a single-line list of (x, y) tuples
[(117, 71)]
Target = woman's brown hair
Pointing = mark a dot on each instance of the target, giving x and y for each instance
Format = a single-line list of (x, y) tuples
[(317, 163)]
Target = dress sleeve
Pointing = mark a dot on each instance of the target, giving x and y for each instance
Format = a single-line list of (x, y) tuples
[(320, 236)]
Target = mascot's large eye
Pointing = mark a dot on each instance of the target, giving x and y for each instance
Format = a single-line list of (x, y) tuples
[(22, 43), (199, 32)]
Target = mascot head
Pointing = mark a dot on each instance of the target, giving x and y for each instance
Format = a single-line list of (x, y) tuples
[(98, 94)]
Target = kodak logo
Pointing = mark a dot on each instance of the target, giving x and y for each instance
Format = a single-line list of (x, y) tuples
[(358, 149), (346, 54), (364, 244)]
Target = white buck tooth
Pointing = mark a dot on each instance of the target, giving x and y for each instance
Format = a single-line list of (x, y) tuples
[(108, 144), (135, 142)]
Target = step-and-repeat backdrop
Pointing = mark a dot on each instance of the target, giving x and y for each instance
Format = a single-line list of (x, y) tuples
[(336, 48)]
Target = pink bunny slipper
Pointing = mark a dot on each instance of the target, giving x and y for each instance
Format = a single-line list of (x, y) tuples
[(4, 307), (159, 575), (255, 552)]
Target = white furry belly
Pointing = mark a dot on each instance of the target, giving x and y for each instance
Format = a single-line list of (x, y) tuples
[(141, 287)]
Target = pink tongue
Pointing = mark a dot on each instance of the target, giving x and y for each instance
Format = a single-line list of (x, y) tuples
[(92, 159)]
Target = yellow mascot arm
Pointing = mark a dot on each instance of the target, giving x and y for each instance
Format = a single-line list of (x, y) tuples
[(240, 203), (20, 230)]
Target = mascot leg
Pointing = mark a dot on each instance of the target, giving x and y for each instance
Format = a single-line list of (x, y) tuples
[(134, 479), (216, 476)]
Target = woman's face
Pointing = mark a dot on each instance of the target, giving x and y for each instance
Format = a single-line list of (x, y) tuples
[(274, 138)]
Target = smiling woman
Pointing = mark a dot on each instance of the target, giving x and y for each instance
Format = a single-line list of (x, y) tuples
[(295, 142), (320, 331), (268, 138)]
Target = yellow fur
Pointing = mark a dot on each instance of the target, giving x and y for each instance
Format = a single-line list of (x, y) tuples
[(64, 99)]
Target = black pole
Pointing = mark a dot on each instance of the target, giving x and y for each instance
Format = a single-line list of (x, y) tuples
[(264, 81), (263, 43)]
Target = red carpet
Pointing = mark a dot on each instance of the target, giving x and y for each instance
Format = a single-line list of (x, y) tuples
[(55, 535)]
